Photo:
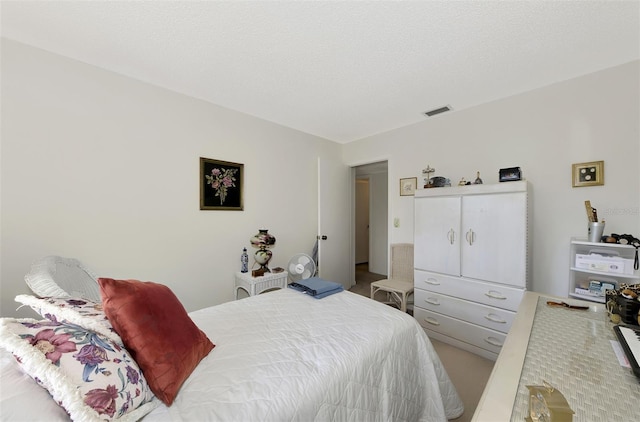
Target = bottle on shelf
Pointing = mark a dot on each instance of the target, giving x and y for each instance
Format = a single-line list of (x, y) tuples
[(244, 259), (478, 180)]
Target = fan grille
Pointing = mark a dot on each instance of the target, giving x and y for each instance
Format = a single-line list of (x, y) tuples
[(301, 267)]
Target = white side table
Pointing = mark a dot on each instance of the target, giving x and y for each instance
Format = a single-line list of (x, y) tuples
[(256, 285)]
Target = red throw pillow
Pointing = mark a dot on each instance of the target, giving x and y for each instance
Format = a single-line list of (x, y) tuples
[(155, 328)]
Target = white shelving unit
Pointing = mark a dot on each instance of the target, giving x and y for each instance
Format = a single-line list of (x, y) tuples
[(580, 277)]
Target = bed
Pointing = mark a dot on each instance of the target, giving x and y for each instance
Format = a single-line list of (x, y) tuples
[(286, 356)]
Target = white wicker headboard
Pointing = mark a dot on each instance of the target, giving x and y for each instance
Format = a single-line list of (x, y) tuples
[(55, 276)]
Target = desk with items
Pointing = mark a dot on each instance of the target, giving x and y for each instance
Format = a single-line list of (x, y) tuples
[(571, 349)]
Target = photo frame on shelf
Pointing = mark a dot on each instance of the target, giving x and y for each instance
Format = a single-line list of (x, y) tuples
[(408, 186), (221, 185), (588, 174)]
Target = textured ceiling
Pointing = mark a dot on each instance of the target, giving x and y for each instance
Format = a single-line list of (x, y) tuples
[(339, 70)]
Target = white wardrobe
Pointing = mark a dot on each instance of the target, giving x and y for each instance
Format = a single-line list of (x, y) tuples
[(471, 258)]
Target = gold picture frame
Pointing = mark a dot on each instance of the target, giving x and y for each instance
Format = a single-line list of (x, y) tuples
[(408, 186), (588, 174)]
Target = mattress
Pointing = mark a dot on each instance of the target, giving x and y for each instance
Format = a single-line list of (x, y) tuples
[(286, 356)]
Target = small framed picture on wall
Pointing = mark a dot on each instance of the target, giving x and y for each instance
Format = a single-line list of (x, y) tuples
[(408, 186), (588, 174)]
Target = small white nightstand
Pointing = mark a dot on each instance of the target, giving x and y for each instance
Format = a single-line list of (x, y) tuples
[(256, 285)]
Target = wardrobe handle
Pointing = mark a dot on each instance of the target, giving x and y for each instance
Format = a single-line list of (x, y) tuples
[(495, 318), (431, 321), (493, 341), (495, 295), (432, 300), (451, 235), (471, 237), (433, 281)]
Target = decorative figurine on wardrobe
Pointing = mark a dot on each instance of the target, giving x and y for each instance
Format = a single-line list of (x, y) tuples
[(427, 180), (478, 180)]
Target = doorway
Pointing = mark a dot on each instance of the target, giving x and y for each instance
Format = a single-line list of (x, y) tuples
[(362, 211), (370, 221)]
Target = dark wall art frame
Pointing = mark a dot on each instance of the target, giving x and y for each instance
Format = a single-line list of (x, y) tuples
[(221, 185)]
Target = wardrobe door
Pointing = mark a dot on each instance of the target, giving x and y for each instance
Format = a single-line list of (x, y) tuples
[(494, 238), (437, 234)]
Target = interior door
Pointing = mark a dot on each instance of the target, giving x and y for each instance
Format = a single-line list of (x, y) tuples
[(334, 210)]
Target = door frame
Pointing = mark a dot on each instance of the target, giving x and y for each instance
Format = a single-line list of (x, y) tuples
[(352, 254)]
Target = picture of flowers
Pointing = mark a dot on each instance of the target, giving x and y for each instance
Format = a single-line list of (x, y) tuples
[(220, 185)]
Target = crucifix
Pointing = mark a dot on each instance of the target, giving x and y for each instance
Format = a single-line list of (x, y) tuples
[(427, 180)]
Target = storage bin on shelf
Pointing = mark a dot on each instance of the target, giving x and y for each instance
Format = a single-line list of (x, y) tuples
[(603, 263)]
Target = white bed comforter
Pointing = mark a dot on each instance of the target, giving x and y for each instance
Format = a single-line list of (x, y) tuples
[(285, 356)]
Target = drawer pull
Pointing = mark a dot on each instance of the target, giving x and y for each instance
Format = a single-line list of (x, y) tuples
[(495, 318), (433, 281), (495, 295), (493, 341), (432, 300), (431, 321)]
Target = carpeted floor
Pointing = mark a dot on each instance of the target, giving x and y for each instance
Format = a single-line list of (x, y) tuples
[(468, 372)]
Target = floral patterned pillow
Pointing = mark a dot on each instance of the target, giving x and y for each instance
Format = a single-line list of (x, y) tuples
[(91, 377), (82, 312)]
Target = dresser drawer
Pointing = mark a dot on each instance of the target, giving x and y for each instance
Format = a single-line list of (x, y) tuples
[(485, 338), (498, 295), (476, 313)]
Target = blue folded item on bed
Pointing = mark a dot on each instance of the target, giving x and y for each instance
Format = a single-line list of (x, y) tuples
[(328, 292), (317, 287)]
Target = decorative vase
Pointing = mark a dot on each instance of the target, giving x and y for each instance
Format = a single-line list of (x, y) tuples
[(244, 261), (263, 256), (263, 241)]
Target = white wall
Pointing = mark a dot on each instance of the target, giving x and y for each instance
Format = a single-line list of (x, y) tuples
[(594, 117), (104, 168)]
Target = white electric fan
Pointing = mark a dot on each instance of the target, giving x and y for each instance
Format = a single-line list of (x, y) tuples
[(301, 267)]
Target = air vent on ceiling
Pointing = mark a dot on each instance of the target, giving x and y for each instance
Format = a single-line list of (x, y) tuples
[(432, 113)]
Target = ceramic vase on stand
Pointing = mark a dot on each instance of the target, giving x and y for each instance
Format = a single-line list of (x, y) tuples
[(263, 241)]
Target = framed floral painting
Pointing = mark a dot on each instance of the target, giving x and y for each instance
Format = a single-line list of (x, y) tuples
[(221, 185)]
